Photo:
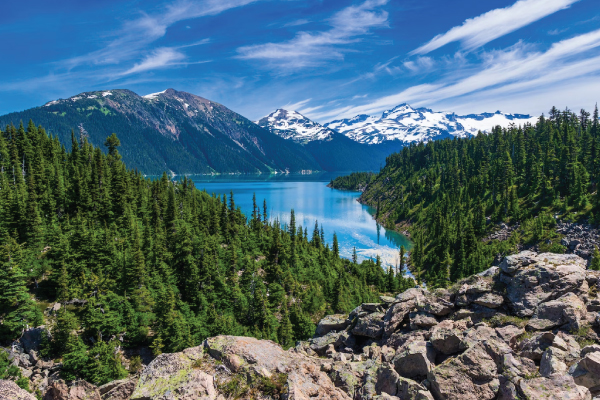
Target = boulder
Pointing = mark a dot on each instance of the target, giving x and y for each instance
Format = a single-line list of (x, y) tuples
[(490, 300), (79, 390), (510, 334), (10, 391), (567, 310), (396, 314), (511, 264), (251, 357), (320, 344), (32, 338), (587, 371), (540, 278), (445, 338), (370, 325), (589, 349), (415, 359), (534, 347), (551, 362), (422, 320), (435, 306), (470, 376), (335, 322), (118, 390), (555, 387)]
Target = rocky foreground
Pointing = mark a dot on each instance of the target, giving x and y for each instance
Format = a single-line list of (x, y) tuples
[(523, 330)]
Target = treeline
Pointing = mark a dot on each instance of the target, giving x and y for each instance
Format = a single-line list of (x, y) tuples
[(356, 181), (453, 192), (140, 262)]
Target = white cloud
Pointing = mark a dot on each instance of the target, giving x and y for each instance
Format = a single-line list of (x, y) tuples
[(476, 32), (296, 106), (516, 72), (138, 34), (308, 49), (160, 58)]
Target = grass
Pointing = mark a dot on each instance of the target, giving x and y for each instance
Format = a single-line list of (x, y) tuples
[(502, 320)]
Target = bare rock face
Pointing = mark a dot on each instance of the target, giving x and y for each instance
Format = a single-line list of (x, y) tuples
[(533, 279), (415, 359), (78, 390), (10, 391), (471, 376), (587, 371), (555, 387)]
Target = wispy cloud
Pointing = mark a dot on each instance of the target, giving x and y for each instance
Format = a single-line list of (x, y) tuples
[(296, 106), (476, 32), (308, 49), (510, 72), (136, 36)]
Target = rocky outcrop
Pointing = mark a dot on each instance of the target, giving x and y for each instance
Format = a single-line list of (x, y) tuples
[(10, 391), (510, 332)]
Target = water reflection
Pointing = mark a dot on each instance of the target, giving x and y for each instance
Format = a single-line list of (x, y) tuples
[(337, 211)]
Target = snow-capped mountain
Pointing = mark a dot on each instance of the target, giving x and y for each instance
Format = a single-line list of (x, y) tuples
[(295, 126), (407, 125)]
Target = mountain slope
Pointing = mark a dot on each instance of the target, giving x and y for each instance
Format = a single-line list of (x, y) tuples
[(170, 130), (406, 124), (332, 150)]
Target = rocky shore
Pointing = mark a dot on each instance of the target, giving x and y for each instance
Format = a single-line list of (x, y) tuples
[(526, 329)]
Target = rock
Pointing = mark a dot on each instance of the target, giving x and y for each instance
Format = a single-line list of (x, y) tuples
[(513, 366), (470, 376), (422, 320), (490, 300), (542, 278), (589, 349), (32, 338), (335, 322), (512, 264), (79, 390), (414, 294), (396, 314), (370, 326), (510, 334), (250, 357), (568, 309), (551, 362), (534, 347), (489, 272), (436, 306), (122, 390), (10, 391), (445, 338), (387, 300), (371, 307), (320, 344), (587, 371), (415, 359), (555, 387)]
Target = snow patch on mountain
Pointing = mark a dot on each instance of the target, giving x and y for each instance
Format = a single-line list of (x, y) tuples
[(295, 126), (153, 96), (408, 124)]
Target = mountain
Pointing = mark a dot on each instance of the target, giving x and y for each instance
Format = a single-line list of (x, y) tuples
[(406, 124), (170, 130), (295, 126), (332, 150)]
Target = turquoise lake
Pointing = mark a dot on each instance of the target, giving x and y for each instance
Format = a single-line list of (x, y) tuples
[(338, 211)]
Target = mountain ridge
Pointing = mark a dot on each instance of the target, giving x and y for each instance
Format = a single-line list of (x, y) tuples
[(402, 123), (170, 130)]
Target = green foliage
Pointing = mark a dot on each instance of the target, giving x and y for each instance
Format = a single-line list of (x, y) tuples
[(453, 193), (141, 262), (9, 371), (355, 181)]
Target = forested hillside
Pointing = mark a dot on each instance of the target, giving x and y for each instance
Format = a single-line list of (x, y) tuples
[(138, 262), (453, 193)]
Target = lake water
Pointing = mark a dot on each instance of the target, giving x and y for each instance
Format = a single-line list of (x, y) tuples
[(338, 211)]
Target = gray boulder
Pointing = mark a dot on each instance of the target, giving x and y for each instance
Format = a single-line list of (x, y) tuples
[(587, 371), (555, 387), (415, 359), (10, 391), (370, 325), (335, 322)]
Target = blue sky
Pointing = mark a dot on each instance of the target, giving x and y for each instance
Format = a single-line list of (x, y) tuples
[(325, 58)]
